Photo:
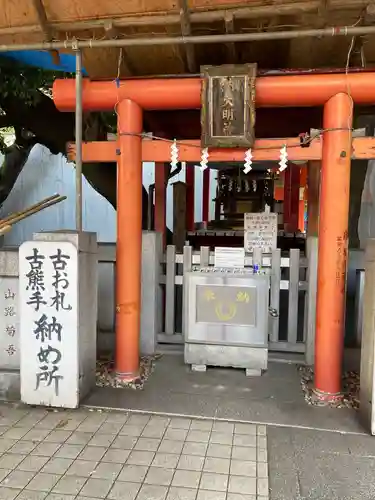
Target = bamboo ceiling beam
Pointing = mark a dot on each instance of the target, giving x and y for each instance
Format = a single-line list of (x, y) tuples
[(229, 29), (198, 16), (111, 33), (43, 21), (110, 30), (186, 31), (323, 8)]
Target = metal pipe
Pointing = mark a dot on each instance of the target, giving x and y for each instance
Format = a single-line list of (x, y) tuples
[(75, 44), (78, 134)]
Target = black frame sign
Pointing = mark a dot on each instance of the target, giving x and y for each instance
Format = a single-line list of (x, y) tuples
[(228, 106)]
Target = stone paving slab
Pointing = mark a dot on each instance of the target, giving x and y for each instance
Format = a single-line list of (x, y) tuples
[(87, 455)]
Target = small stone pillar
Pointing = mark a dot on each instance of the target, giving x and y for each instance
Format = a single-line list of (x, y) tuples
[(58, 290), (151, 293), (367, 375), (313, 186), (9, 326)]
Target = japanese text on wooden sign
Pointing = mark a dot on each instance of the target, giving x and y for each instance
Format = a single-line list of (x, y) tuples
[(49, 323), (228, 105), (260, 232)]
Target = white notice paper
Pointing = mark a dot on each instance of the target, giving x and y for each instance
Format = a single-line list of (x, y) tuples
[(260, 232), (48, 292), (229, 257)]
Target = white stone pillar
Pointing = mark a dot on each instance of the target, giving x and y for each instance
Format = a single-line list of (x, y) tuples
[(9, 326), (58, 316), (151, 295), (367, 375), (310, 298)]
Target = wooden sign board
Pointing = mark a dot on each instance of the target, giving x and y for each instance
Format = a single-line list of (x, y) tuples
[(228, 106), (260, 232)]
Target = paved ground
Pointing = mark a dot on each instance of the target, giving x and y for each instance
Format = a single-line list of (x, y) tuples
[(274, 398), (307, 460), (312, 465), (85, 455), (90, 455)]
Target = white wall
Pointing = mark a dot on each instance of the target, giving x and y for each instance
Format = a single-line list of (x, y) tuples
[(45, 174)]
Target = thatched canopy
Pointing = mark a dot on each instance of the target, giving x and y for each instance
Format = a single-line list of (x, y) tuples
[(27, 21)]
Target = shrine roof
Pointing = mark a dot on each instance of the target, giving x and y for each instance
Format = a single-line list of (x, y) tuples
[(23, 22)]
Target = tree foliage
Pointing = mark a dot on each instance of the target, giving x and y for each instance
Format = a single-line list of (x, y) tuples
[(24, 82), (26, 107)]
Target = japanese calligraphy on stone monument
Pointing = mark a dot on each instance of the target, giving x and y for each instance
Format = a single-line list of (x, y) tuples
[(48, 305), (9, 327), (260, 231)]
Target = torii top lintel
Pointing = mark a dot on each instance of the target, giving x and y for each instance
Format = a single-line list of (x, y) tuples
[(185, 93)]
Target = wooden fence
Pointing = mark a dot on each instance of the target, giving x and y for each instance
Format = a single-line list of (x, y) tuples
[(287, 331)]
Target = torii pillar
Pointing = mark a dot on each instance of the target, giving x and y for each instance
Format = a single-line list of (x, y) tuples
[(333, 245), (129, 239)]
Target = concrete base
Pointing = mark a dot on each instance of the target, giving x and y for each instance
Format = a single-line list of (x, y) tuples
[(198, 368), (253, 359), (250, 372), (10, 385)]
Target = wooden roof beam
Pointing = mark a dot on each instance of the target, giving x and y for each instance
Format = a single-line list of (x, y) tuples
[(186, 31), (112, 32), (197, 16), (43, 21), (229, 29)]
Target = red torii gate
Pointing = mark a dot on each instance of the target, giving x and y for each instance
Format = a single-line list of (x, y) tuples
[(337, 92)]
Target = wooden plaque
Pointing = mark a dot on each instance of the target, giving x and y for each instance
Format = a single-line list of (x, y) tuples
[(228, 106)]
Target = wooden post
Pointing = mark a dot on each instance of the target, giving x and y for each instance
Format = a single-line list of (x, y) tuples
[(291, 197), (179, 215), (190, 199), (302, 198), (161, 181), (206, 196), (313, 183)]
